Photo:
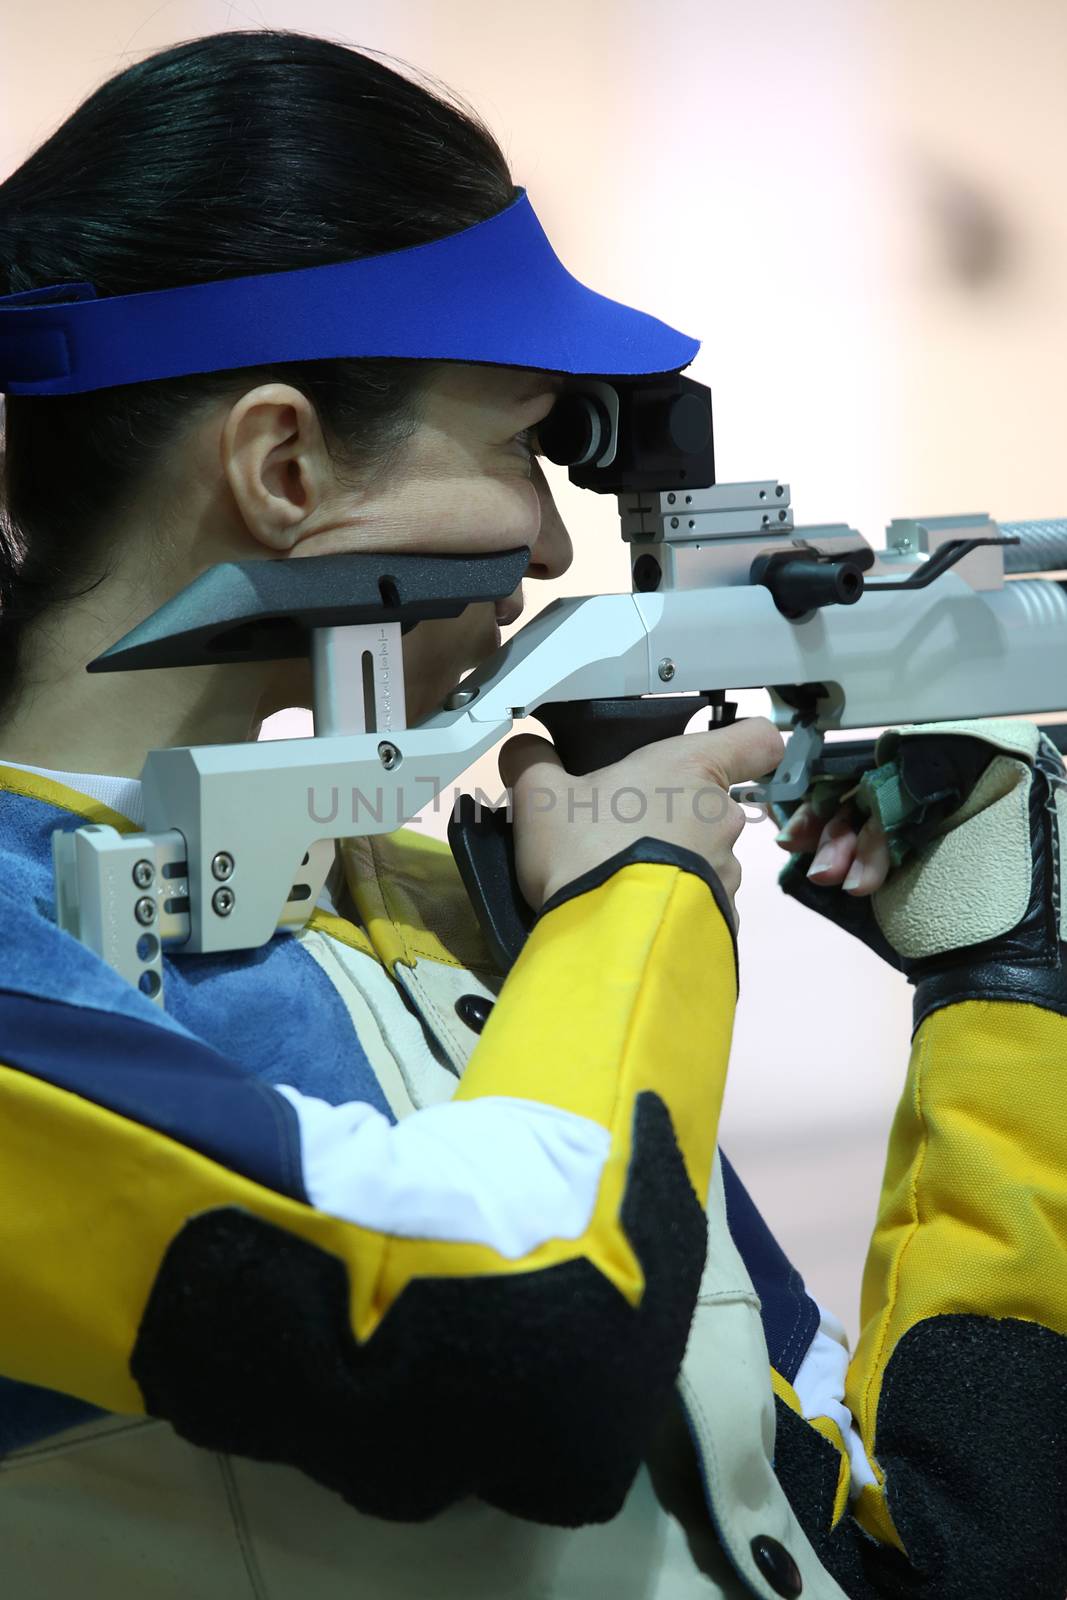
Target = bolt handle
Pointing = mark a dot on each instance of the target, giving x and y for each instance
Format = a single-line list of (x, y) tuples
[(588, 734)]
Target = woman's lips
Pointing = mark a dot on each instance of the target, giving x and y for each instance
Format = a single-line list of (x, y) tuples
[(509, 610)]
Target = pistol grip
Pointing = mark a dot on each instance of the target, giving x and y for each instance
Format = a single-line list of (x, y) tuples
[(484, 850), (588, 734)]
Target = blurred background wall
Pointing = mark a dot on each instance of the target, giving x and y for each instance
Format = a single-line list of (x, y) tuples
[(858, 206)]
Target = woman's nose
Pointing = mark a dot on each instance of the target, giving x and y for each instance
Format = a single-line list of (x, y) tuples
[(552, 553)]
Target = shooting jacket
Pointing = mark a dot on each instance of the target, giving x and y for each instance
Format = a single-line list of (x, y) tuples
[(268, 1332)]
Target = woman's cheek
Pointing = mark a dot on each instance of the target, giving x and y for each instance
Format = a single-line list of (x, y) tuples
[(469, 515)]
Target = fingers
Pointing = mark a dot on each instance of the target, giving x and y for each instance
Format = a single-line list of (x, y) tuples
[(801, 833), (526, 753), (870, 866), (835, 849), (859, 862), (730, 876), (735, 815), (743, 751)]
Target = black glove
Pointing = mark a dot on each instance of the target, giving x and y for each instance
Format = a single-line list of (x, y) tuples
[(975, 816)]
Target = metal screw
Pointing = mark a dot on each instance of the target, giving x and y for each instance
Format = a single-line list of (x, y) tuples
[(674, 522), (666, 669), (903, 543), (222, 902), (459, 698), (671, 499), (143, 873), (222, 864), (782, 516), (388, 755), (145, 910)]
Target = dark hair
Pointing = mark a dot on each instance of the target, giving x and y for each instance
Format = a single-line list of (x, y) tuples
[(233, 154)]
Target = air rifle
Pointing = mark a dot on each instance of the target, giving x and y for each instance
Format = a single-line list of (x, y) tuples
[(948, 621)]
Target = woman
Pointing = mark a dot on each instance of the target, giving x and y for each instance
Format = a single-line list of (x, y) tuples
[(431, 1354)]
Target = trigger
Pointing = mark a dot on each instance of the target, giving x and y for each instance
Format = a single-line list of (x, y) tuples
[(794, 774)]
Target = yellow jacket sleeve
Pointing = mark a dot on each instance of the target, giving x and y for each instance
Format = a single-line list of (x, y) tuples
[(959, 1382), (162, 1251)]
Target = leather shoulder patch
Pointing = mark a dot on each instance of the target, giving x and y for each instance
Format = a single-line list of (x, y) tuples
[(409, 895)]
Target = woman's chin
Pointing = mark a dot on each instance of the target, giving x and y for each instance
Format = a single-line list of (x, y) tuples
[(487, 643)]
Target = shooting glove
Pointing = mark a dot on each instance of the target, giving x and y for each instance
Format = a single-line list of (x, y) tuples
[(975, 816)]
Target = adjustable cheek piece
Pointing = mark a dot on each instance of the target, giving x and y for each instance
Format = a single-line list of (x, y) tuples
[(727, 594)]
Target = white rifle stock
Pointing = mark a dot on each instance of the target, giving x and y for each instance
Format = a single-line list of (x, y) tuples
[(728, 594)]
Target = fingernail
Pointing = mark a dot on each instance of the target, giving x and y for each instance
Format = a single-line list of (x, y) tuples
[(855, 876), (823, 860), (792, 823), (785, 837)]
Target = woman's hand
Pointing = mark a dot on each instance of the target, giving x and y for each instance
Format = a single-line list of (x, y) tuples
[(974, 814), (859, 862), (676, 790)]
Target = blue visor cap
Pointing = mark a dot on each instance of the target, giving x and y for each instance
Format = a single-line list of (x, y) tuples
[(494, 293)]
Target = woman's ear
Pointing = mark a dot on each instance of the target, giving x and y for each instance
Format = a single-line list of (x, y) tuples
[(275, 461)]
